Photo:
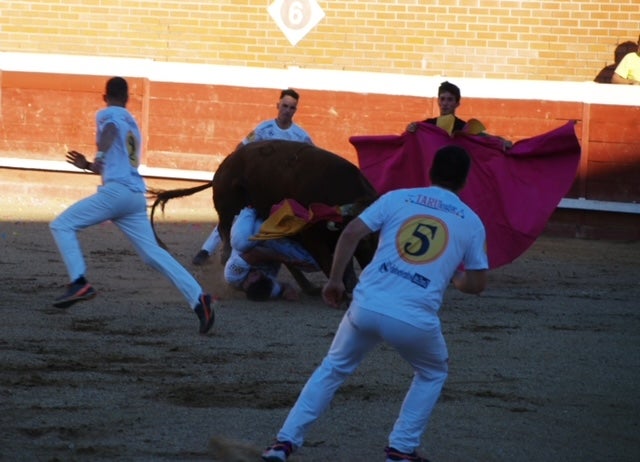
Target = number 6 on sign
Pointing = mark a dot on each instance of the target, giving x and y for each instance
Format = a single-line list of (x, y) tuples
[(295, 14), (295, 18)]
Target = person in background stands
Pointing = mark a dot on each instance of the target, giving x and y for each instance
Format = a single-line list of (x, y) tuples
[(121, 199), (426, 234), (281, 128), (606, 73), (628, 71)]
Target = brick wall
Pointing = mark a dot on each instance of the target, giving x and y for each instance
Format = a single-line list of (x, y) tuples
[(498, 39), (193, 127)]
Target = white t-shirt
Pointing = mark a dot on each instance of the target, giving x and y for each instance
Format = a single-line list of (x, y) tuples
[(269, 130), (425, 234), (120, 163), (236, 269)]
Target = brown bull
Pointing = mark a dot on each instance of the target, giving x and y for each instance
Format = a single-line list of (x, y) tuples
[(264, 173)]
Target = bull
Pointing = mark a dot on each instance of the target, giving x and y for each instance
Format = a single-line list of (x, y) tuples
[(264, 173)]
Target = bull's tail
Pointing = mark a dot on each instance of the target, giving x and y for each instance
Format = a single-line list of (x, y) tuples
[(161, 197)]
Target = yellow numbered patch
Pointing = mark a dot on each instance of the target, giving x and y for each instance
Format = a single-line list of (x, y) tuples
[(422, 239), (132, 149)]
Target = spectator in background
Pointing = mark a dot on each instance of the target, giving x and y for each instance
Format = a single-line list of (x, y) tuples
[(628, 71), (605, 75)]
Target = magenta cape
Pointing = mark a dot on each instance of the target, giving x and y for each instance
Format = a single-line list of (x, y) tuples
[(514, 192)]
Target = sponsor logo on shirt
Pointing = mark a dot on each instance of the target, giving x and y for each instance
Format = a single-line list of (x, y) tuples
[(436, 204), (415, 278)]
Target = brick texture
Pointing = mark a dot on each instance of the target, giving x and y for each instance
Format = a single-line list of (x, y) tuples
[(194, 127), (531, 40)]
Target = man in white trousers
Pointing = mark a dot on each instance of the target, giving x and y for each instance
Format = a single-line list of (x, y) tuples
[(426, 234), (121, 199), (254, 265)]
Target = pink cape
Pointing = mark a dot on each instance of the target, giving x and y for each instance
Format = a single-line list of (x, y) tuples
[(514, 192)]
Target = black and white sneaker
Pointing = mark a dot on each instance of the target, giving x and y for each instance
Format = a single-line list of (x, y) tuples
[(394, 455), (77, 291), (205, 313)]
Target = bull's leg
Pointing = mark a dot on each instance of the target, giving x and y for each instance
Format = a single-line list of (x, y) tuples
[(307, 286), (350, 279), (229, 197), (224, 228), (225, 252), (366, 249)]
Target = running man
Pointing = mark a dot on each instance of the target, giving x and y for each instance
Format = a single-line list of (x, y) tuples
[(121, 199)]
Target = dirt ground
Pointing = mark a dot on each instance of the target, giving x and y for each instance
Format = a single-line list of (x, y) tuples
[(544, 365)]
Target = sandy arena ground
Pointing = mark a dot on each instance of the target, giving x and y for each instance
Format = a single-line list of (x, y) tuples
[(544, 365)]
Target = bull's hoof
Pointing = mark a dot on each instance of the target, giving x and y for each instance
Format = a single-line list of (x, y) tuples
[(312, 290), (200, 258)]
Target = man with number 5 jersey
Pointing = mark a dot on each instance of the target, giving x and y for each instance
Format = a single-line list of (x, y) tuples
[(426, 235)]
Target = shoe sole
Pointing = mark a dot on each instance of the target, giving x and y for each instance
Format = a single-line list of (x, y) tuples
[(66, 303), (209, 324), (207, 327)]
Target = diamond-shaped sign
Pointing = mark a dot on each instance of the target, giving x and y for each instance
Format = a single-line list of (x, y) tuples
[(296, 18)]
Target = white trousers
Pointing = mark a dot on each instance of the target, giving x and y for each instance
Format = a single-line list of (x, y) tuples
[(359, 331), (212, 242), (246, 225), (128, 211)]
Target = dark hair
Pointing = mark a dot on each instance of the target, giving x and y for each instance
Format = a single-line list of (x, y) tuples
[(290, 92), (624, 49), (260, 290), (450, 167), (449, 88), (117, 89)]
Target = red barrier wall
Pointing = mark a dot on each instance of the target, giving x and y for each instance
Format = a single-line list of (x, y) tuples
[(193, 126)]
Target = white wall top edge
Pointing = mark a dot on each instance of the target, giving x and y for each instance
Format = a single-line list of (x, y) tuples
[(318, 79)]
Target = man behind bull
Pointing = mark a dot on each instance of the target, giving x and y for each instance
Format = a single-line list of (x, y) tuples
[(280, 128)]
